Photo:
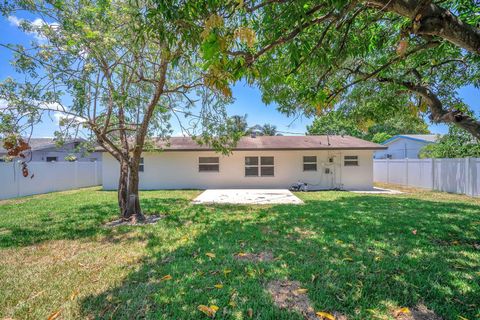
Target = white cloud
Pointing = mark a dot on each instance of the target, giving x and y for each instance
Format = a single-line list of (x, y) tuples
[(14, 21), (37, 24), (60, 116)]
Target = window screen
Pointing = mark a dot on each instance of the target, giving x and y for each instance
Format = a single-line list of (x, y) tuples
[(208, 164), (350, 161), (51, 159), (266, 168), (309, 163), (259, 166)]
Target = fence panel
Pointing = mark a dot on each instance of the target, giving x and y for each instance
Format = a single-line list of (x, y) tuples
[(47, 177), (450, 175)]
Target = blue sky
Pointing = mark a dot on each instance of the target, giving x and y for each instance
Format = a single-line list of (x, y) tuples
[(247, 99)]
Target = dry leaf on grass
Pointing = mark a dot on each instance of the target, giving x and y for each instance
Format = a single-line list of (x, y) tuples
[(325, 315), (165, 278), (209, 311), (54, 315), (401, 311), (210, 254), (74, 294), (301, 291), (218, 286)]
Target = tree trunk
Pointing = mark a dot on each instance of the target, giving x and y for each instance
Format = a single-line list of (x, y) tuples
[(438, 112), (133, 211), (123, 188)]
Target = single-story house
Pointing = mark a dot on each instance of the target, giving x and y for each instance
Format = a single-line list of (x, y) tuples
[(323, 162), (46, 150), (405, 146)]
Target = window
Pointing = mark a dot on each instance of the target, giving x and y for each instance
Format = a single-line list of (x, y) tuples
[(141, 166), (263, 166), (310, 163), (208, 164), (350, 161), (51, 159)]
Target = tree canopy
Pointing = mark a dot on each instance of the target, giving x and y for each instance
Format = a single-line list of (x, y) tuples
[(339, 123), (116, 71), (314, 56)]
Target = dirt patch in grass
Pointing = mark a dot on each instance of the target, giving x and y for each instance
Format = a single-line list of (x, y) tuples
[(420, 312), (148, 220), (291, 296), (254, 257)]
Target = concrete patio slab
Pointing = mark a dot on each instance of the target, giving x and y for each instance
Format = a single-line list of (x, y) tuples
[(379, 191), (247, 196)]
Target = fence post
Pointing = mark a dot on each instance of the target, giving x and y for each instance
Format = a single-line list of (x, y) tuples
[(468, 186), (388, 171), (96, 172), (76, 174), (406, 172), (432, 162), (16, 170)]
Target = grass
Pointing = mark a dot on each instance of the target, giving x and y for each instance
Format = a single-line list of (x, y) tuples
[(356, 254)]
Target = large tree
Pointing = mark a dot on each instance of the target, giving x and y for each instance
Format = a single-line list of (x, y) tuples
[(118, 71), (377, 130), (312, 56)]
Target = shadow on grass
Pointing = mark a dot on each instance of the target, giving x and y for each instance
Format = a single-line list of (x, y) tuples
[(357, 255), (75, 216)]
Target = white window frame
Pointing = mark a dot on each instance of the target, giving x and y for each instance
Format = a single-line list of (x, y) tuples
[(141, 165), (211, 163), (310, 163), (259, 166), (350, 161)]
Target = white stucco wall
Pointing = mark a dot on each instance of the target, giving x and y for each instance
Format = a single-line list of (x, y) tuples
[(402, 148), (179, 170)]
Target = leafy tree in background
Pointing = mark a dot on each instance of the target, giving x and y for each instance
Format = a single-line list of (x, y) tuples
[(339, 123), (312, 56), (119, 72), (456, 144), (269, 130), (334, 123), (239, 124)]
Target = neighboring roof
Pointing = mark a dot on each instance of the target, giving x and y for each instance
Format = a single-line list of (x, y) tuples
[(275, 143), (41, 143), (428, 138)]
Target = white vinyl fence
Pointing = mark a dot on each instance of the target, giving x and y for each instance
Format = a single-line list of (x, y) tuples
[(47, 177), (449, 175)]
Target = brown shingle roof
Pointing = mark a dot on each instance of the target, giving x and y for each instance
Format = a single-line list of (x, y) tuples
[(277, 143)]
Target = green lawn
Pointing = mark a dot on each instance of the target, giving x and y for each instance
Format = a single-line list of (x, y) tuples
[(356, 254)]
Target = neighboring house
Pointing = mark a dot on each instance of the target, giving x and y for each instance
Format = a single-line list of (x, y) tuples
[(45, 149), (405, 146), (323, 162)]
